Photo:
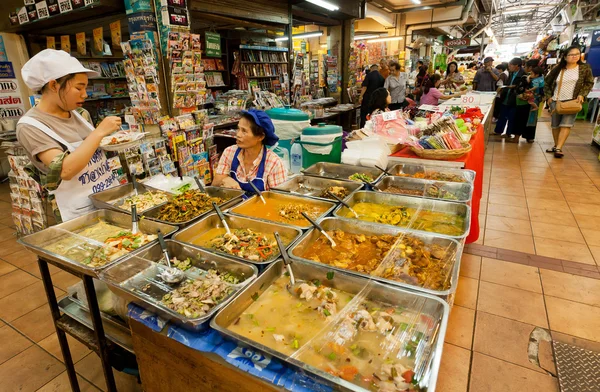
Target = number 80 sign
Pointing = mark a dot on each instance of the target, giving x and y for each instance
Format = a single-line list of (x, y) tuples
[(468, 99)]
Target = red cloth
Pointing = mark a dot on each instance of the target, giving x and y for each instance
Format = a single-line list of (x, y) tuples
[(473, 161)]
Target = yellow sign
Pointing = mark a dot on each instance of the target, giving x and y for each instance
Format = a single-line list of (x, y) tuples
[(115, 34), (65, 43), (81, 49), (50, 43), (297, 30), (98, 38)]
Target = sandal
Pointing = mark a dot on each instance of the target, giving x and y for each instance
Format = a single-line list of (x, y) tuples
[(558, 153), (551, 150)]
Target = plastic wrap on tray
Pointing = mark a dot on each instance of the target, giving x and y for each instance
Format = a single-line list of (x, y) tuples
[(435, 173)]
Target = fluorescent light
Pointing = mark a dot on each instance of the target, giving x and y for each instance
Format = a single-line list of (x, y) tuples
[(384, 39), (359, 37), (301, 36), (416, 1), (324, 4)]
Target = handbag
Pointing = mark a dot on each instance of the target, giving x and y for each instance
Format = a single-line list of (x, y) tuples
[(571, 106)]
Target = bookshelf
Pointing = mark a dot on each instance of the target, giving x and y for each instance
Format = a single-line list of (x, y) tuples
[(265, 67)]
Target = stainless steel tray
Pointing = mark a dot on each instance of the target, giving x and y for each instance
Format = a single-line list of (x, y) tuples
[(340, 171), (395, 296), (138, 271), (288, 199), (468, 175), (462, 190), (231, 197), (37, 241), (313, 187), (453, 248), (212, 221), (113, 198), (458, 209)]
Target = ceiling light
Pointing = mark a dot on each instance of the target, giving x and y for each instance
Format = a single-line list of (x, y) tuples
[(359, 37), (324, 4), (324, 45), (301, 36), (384, 39), (416, 1)]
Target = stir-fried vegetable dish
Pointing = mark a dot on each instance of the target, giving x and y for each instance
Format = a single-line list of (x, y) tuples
[(246, 243), (339, 191), (435, 175), (186, 206), (432, 191), (359, 177), (144, 201)]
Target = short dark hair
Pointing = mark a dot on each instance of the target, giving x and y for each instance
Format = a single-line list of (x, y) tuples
[(379, 99), (256, 129), (516, 61), (532, 63), (394, 65), (538, 70), (420, 62), (64, 84), (501, 67), (374, 66), (431, 82)]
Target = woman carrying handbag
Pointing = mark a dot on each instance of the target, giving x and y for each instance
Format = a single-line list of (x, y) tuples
[(566, 86)]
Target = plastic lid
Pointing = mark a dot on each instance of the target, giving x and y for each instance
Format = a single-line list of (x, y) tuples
[(286, 113), (322, 129)]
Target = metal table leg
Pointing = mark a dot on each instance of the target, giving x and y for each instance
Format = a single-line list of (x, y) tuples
[(62, 336)]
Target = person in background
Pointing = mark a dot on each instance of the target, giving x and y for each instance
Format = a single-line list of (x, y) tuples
[(384, 69), (486, 78), (437, 70), (380, 101), (453, 78), (431, 94), (503, 76), (372, 82), (473, 66), (574, 79), (534, 95), (422, 78), (249, 159), (508, 99), (396, 85)]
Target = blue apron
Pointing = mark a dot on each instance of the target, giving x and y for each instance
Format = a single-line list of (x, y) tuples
[(258, 181)]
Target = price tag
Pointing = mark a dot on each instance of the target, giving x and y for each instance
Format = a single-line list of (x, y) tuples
[(470, 99), (387, 116)]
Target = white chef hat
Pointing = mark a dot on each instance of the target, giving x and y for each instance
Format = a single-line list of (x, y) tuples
[(51, 64)]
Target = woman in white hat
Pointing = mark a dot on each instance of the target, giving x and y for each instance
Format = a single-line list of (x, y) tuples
[(61, 144)]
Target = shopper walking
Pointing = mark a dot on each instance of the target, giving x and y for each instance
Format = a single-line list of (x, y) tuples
[(431, 94), (372, 82), (536, 80), (503, 71), (487, 77), (453, 78), (570, 82), (508, 97), (396, 85)]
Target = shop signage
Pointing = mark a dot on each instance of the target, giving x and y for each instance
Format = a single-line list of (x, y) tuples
[(31, 13), (65, 6), (470, 99), (3, 55), (53, 8), (175, 16), (213, 44), (134, 6), (142, 21), (6, 70), (23, 18), (596, 38), (457, 43), (9, 86), (42, 10), (173, 3)]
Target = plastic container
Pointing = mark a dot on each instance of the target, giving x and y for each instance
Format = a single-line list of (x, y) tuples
[(283, 154), (322, 143), (288, 123), (296, 158)]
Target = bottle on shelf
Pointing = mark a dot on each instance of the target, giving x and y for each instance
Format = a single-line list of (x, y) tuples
[(296, 158)]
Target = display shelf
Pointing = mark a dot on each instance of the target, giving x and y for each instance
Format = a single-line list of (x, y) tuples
[(108, 78), (264, 62), (220, 86), (263, 77), (105, 98)]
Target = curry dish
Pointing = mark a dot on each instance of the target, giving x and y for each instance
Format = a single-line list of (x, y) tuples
[(282, 211)]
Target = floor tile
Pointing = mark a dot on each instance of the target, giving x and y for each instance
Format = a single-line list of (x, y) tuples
[(23, 301), (511, 225), (595, 253), (564, 218), (588, 221), (571, 287), (34, 269), (466, 293), (9, 247), (555, 232), (497, 190), (460, 327), (504, 339), (12, 343), (512, 212), (507, 200), (29, 370), (63, 280), (563, 250), (530, 184), (516, 304), (453, 375), (15, 281), (574, 318), (577, 197), (511, 274), (90, 367), (470, 265), (550, 205), (61, 383), (21, 257), (37, 324), (506, 240), (542, 193), (78, 350), (585, 209), (5, 267), (592, 237), (494, 375)]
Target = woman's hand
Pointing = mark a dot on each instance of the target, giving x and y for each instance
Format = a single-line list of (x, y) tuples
[(549, 101), (229, 182), (580, 99), (109, 125)]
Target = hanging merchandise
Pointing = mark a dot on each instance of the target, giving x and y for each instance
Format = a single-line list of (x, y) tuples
[(332, 74), (188, 81), (65, 43), (98, 34), (115, 34), (80, 38)]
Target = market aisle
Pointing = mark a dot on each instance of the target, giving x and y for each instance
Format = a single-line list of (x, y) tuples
[(535, 265)]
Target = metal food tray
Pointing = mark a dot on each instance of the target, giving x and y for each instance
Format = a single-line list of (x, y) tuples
[(403, 168), (343, 281), (130, 276), (462, 190), (36, 242), (231, 196), (360, 227), (310, 186), (459, 209), (289, 199), (340, 171), (237, 222), (113, 198)]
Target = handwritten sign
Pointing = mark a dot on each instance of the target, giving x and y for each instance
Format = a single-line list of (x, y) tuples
[(468, 99), (387, 116)]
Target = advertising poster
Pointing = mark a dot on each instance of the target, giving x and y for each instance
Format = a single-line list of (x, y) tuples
[(3, 55), (65, 6), (81, 49), (50, 43), (98, 38), (22, 14), (143, 21), (115, 34), (6, 70), (42, 10), (65, 43), (11, 103), (53, 7), (134, 6), (213, 44)]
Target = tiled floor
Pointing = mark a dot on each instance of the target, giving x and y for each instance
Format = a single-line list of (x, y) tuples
[(534, 268)]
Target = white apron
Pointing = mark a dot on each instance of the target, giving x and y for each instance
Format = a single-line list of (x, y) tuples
[(72, 195)]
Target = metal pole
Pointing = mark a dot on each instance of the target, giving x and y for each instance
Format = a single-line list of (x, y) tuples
[(290, 28)]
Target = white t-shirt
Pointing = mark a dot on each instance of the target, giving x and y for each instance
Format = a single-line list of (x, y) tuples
[(569, 79)]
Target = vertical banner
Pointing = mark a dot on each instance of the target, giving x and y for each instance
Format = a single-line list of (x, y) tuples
[(213, 44), (50, 43), (98, 38), (11, 104), (115, 34), (81, 49), (65, 43)]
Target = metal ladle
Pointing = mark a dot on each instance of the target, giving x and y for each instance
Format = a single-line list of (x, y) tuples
[(383, 170), (199, 184), (221, 217), (259, 193), (343, 203), (171, 274), (134, 220), (291, 287), (135, 185), (318, 227)]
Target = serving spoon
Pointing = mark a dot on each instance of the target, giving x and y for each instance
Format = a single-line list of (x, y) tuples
[(171, 274), (199, 184), (383, 170), (135, 185), (343, 203), (259, 193), (134, 220), (291, 287), (221, 217), (318, 227)]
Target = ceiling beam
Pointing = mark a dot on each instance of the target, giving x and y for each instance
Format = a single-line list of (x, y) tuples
[(299, 12)]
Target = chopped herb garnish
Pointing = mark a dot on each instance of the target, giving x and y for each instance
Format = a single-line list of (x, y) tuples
[(326, 312), (332, 356), (316, 282), (330, 275)]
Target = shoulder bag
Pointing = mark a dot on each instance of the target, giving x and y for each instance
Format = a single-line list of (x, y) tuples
[(571, 106)]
